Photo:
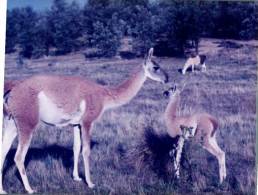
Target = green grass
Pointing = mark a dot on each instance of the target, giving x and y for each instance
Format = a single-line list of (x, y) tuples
[(227, 90)]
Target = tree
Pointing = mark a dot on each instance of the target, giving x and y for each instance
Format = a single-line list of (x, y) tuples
[(142, 32), (11, 30), (65, 26), (27, 31), (74, 20), (42, 38), (98, 3), (106, 37)]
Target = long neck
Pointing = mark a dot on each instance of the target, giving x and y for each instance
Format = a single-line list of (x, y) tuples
[(172, 107), (124, 92)]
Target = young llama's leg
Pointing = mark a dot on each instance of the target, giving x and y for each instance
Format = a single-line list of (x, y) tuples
[(76, 152), (210, 145), (223, 159), (9, 134)]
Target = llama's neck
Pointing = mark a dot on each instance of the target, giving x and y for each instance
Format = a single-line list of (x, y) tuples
[(171, 110), (124, 92)]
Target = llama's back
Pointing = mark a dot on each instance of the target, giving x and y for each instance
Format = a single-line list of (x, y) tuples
[(207, 123)]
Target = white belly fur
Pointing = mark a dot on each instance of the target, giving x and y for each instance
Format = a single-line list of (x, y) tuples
[(50, 113)]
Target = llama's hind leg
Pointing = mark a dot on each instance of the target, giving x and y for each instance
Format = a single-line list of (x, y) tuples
[(223, 159), (24, 142), (10, 132), (210, 146), (86, 152), (76, 152), (26, 119), (203, 67)]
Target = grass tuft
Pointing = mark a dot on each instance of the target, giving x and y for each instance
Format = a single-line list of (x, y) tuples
[(152, 152)]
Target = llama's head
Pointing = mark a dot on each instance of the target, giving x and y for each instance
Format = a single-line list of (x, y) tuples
[(153, 70), (171, 92)]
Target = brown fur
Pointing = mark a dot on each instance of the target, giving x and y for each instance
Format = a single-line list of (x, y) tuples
[(68, 93), (205, 125), (9, 84)]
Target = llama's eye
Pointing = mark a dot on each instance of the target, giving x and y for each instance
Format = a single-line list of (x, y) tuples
[(156, 68)]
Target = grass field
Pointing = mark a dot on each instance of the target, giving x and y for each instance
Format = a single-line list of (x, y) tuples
[(227, 90)]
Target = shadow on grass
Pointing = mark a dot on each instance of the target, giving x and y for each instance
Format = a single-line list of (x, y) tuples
[(54, 151)]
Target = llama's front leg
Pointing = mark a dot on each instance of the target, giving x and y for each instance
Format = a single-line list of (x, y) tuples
[(86, 151), (173, 153), (9, 134), (176, 167), (179, 154), (186, 66), (76, 152), (184, 69)]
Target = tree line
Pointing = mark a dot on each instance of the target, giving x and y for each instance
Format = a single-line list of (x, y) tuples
[(169, 25)]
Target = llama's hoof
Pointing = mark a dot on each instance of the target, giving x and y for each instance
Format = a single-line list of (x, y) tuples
[(30, 191), (91, 185), (3, 192), (77, 178), (222, 179)]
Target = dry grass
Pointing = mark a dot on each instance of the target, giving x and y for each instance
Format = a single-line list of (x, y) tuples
[(226, 90)]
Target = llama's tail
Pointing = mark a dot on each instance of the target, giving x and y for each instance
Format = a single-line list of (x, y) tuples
[(8, 86), (202, 59), (215, 124)]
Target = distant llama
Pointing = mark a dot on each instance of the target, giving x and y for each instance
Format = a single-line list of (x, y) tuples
[(195, 60), (62, 101), (202, 126)]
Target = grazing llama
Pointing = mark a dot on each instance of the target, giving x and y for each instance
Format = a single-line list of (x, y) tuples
[(203, 125), (62, 101), (195, 61)]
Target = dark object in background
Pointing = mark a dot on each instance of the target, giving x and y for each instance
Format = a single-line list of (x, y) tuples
[(230, 44), (127, 54)]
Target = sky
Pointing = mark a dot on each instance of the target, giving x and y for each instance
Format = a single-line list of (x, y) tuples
[(36, 4)]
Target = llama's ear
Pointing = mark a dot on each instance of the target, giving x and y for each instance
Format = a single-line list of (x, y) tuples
[(150, 53), (148, 56), (173, 88)]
